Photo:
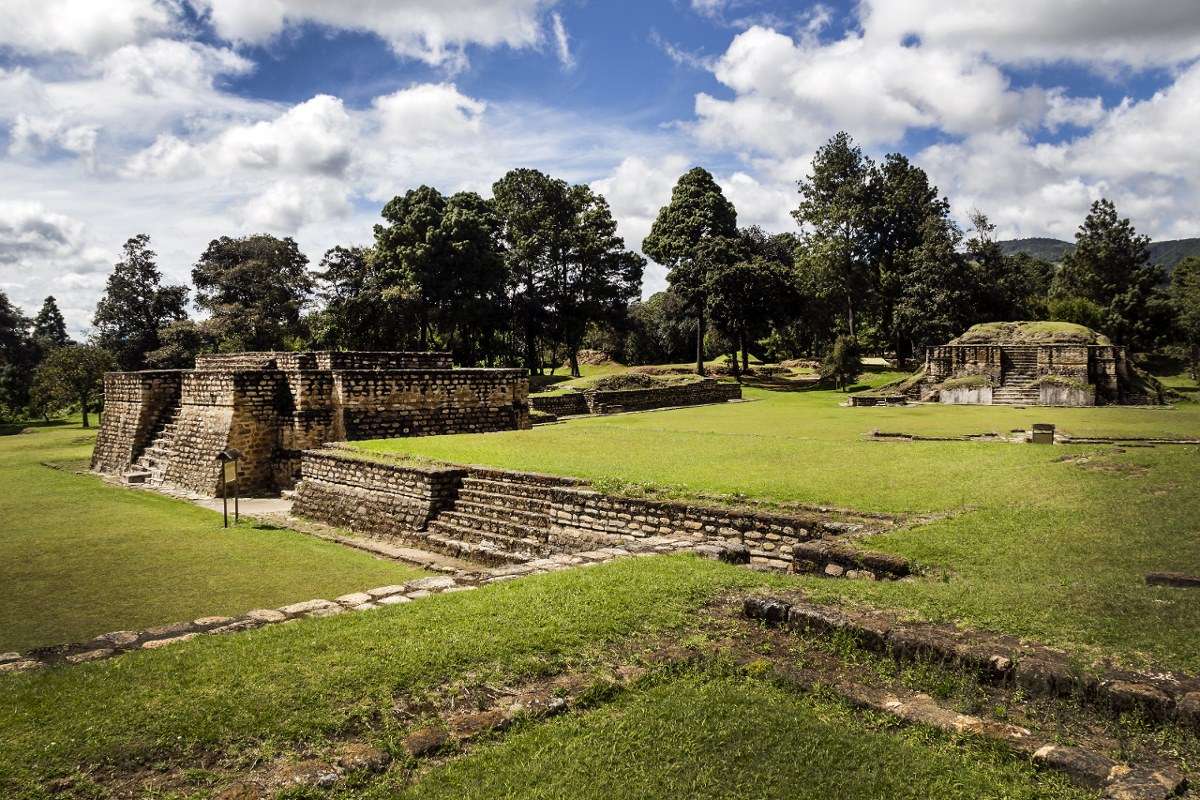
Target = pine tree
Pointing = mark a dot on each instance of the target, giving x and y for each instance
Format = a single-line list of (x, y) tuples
[(682, 240), (49, 327), (136, 305)]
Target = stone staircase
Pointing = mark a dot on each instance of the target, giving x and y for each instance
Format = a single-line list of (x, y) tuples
[(1020, 383), (498, 522), (150, 467)]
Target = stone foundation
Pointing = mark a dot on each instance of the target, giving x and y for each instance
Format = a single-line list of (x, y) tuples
[(169, 427), (502, 516), (602, 402)]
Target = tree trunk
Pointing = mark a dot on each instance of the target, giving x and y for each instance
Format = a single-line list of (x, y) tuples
[(700, 343), (745, 355), (83, 404), (574, 354), (733, 364), (850, 316)]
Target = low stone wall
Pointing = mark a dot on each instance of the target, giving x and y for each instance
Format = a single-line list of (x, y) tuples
[(371, 496), (134, 406), (393, 499), (560, 405), (600, 402), (967, 395), (1061, 395)]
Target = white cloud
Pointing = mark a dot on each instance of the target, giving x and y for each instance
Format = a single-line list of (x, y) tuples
[(1139, 34), (288, 205), (562, 41), (33, 136), (434, 31), (80, 27)]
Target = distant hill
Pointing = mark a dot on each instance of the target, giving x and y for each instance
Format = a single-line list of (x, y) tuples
[(1167, 254)]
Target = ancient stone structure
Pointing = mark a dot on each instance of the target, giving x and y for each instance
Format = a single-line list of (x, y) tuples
[(167, 426), (608, 401), (505, 517), (1030, 363)]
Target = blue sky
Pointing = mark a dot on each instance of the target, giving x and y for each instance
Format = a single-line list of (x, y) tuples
[(190, 119)]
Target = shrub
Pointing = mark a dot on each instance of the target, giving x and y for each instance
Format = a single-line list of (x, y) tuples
[(843, 363)]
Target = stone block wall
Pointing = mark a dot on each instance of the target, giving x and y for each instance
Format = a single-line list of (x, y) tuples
[(950, 361), (399, 499), (600, 402), (379, 405), (135, 404), (560, 405), (374, 497), (324, 360)]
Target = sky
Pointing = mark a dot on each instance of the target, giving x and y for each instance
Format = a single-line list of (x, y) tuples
[(192, 119)]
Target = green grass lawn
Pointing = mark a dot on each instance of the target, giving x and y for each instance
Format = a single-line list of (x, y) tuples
[(722, 737), (1051, 549), (252, 694), (79, 557)]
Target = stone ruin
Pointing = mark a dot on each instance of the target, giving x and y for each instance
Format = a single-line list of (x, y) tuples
[(167, 427), (1032, 363)]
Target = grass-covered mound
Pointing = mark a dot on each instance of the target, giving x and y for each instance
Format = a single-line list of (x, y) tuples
[(621, 381), (1031, 333)]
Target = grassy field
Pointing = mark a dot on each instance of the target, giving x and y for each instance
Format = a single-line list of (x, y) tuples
[(1050, 543), (241, 700), (729, 738), (79, 557)]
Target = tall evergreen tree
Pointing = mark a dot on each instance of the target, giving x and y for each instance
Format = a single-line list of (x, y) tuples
[(936, 301), (835, 204), (49, 327), (682, 240), (136, 305), (598, 277), (412, 258), (16, 359), (536, 217), (255, 287), (1185, 295), (1110, 266)]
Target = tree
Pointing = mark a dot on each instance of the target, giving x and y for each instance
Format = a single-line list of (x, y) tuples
[(682, 240), (936, 301), (49, 327), (1008, 287), (17, 358), (355, 316), (255, 287), (474, 305), (598, 277), (660, 330), (536, 215), (842, 363), (836, 205), (412, 257), (135, 305), (1110, 266), (1185, 296), (180, 343), (751, 288), (73, 374)]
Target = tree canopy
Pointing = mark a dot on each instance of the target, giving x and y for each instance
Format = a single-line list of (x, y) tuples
[(135, 305)]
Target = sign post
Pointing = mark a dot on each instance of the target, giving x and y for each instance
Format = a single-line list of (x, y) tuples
[(229, 475)]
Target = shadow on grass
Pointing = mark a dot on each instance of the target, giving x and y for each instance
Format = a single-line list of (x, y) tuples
[(13, 428)]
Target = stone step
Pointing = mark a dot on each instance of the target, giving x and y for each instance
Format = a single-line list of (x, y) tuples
[(538, 518), (135, 476), (499, 500), (515, 539), (508, 488), (471, 551)]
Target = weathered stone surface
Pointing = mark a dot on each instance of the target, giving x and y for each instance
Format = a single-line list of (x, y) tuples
[(393, 600), (90, 655), (211, 622), (167, 631), (156, 643), (431, 584), (265, 615), (120, 638), (306, 607), (353, 599), (10, 656), (1145, 783), (24, 665), (1084, 766), (359, 756), (384, 591), (425, 740)]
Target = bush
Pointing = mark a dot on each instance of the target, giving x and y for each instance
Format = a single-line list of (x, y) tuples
[(843, 363)]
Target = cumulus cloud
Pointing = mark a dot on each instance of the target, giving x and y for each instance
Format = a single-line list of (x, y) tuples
[(81, 27), (1162, 32), (434, 31)]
